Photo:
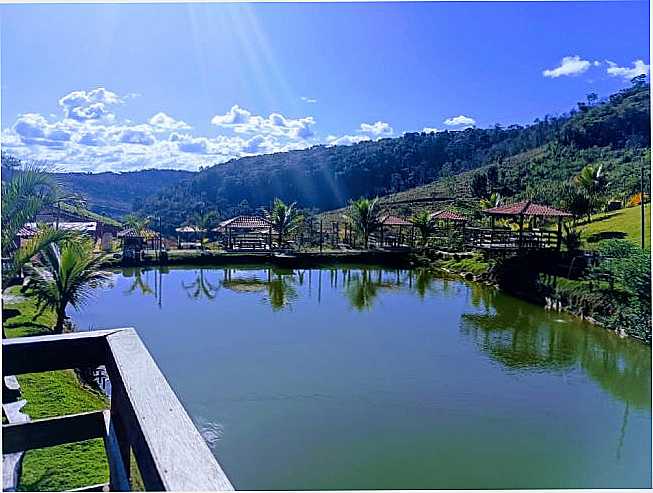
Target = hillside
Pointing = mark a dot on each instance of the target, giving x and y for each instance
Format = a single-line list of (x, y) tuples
[(516, 160), (116, 194)]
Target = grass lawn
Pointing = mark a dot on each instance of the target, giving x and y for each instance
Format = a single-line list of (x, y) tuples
[(53, 394), (624, 223)]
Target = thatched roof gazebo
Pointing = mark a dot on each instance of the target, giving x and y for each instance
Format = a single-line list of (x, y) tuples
[(507, 239)]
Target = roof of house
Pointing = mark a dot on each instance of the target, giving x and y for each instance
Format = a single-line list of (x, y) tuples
[(526, 208), (132, 233), (30, 229), (390, 220), (448, 216), (189, 229), (244, 222)]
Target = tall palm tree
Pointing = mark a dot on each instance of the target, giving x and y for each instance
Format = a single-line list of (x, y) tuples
[(365, 216), (284, 218), (29, 190), (425, 223), (65, 274), (136, 222), (593, 182)]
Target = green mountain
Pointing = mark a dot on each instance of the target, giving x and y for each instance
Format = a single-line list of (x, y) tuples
[(514, 160), (117, 194)]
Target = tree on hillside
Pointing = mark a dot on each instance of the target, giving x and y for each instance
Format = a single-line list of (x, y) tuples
[(365, 215), (478, 185), (425, 223), (593, 182), (65, 274), (284, 218)]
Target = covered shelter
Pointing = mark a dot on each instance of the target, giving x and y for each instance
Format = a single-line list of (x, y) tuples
[(532, 238), (392, 231), (246, 233), (189, 236), (134, 241), (450, 229)]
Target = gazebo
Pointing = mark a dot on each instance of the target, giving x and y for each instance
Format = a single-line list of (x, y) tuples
[(246, 233), (395, 226), (450, 230), (533, 238), (189, 233)]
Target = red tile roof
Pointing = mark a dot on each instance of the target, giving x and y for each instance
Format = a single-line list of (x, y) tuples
[(448, 216), (245, 222), (394, 221), (527, 208)]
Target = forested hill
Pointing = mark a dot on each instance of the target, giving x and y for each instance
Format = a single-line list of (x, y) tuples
[(327, 177), (116, 194)]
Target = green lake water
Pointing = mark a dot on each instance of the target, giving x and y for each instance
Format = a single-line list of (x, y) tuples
[(364, 378)]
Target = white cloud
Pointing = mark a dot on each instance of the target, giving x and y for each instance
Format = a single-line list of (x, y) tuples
[(569, 65), (460, 121), (91, 105), (346, 139), (139, 134), (377, 129), (638, 68), (276, 124), (235, 116), (306, 99), (429, 130), (163, 122)]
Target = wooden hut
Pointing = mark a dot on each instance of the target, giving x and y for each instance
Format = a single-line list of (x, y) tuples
[(189, 236), (534, 237), (450, 230), (246, 233), (392, 231)]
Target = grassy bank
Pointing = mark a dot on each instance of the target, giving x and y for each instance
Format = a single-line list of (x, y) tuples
[(622, 224), (50, 394)]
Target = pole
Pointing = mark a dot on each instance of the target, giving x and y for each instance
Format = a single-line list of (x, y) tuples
[(642, 206)]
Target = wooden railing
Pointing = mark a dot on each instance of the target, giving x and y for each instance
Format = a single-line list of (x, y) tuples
[(145, 416), (507, 239)]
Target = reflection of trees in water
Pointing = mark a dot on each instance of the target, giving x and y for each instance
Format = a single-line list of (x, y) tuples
[(279, 285), (521, 336), (362, 287), (138, 283), (142, 285), (200, 288)]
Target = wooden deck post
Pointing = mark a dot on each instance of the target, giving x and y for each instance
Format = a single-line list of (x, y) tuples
[(521, 229), (559, 235)]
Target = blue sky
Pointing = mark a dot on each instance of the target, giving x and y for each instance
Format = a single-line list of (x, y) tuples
[(121, 87)]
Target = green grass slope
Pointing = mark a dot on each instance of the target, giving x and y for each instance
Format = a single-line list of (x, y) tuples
[(621, 224)]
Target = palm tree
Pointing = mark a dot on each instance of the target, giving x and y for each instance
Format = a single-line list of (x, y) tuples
[(495, 200), (136, 222), (425, 223), (202, 222), (365, 216), (593, 182), (65, 274), (29, 190), (284, 219)]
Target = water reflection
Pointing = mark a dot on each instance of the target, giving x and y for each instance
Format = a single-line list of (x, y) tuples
[(520, 336), (517, 335), (201, 287)]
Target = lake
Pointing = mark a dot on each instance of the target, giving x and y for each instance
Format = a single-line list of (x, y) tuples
[(368, 378)]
